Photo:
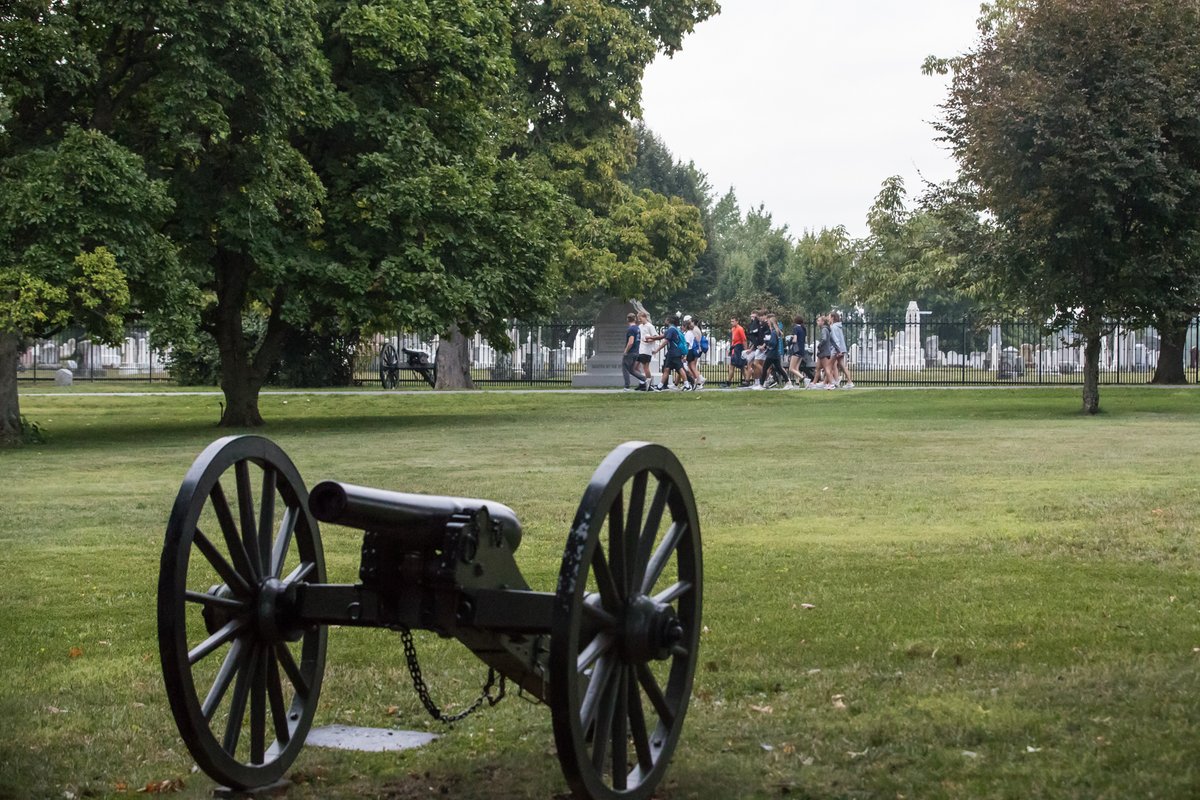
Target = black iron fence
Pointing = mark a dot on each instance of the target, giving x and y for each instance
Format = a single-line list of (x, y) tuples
[(915, 351)]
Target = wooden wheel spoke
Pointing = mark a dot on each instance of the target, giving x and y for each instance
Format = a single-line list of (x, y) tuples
[(620, 732), (293, 672), (637, 727), (606, 711), (245, 502), (596, 612), (657, 699), (673, 592), (601, 675), (596, 648), (650, 530), (258, 709), (633, 526), (237, 706), (275, 695), (301, 572), (612, 599), (237, 550), (618, 553), (206, 599), (662, 555), (229, 668), (227, 631), (231, 576), (283, 539), (266, 519)]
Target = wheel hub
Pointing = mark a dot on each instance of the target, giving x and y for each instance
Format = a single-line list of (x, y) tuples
[(651, 630), (274, 612)]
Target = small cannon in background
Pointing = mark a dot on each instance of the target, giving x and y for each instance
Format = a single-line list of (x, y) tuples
[(244, 605)]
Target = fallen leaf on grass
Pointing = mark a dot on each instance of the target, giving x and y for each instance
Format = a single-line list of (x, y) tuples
[(853, 754), (75, 652), (789, 748), (767, 747), (839, 702), (55, 710), (1031, 749), (120, 786), (970, 754), (763, 709), (807, 606), (170, 785), (138, 705), (391, 711)]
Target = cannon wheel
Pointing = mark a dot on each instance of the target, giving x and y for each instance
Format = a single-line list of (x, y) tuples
[(626, 625), (389, 366), (223, 593)]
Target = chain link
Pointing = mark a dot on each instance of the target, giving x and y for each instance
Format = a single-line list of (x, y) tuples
[(414, 669)]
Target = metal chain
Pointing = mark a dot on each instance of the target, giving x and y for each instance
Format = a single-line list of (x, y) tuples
[(414, 669)]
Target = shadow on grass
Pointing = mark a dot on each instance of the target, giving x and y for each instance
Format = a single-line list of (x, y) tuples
[(136, 430)]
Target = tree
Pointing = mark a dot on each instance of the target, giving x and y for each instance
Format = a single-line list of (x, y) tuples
[(656, 169), (908, 254), (79, 217), (1074, 124), (579, 71), (337, 165)]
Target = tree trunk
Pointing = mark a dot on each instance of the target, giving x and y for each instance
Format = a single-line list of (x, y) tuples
[(244, 369), (1091, 374), (1172, 338), (10, 404), (453, 361), (241, 394)]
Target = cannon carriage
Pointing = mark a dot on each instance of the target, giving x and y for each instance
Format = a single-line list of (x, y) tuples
[(244, 604)]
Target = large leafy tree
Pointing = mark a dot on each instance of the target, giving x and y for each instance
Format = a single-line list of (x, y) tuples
[(1074, 124), (80, 219), (337, 164)]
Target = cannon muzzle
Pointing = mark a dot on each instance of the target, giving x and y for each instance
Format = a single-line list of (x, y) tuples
[(419, 519)]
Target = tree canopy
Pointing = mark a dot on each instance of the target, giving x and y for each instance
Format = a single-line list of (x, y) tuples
[(342, 164), (1074, 125)]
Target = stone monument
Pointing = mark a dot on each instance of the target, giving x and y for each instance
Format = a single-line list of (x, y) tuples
[(603, 369)]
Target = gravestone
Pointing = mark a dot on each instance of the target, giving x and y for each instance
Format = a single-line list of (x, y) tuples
[(603, 368), (63, 377)]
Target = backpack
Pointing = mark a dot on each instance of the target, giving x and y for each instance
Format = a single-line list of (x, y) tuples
[(695, 351), (681, 343), (703, 342)]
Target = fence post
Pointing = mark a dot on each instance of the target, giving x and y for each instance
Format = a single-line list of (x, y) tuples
[(962, 354)]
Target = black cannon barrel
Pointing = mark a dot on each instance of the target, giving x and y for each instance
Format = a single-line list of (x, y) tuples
[(419, 518)]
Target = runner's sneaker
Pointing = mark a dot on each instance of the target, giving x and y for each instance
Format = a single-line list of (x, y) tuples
[(758, 386), (808, 383), (849, 385)]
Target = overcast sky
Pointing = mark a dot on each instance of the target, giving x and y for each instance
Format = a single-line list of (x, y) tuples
[(808, 106)]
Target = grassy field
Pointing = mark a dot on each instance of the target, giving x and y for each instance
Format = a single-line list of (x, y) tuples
[(1005, 595)]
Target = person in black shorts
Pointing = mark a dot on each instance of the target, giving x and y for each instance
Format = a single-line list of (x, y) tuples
[(673, 341), (629, 362)]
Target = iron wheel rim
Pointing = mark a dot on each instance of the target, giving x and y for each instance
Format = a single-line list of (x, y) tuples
[(617, 716), (257, 671)]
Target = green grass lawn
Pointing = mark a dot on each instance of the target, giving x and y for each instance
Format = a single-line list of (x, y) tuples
[(1006, 600)]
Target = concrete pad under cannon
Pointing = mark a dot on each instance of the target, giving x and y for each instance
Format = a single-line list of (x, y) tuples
[(367, 740)]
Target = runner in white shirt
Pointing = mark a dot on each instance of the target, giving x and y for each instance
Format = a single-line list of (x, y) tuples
[(646, 345)]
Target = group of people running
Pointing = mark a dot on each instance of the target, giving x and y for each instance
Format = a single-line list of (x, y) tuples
[(757, 353), (682, 343)]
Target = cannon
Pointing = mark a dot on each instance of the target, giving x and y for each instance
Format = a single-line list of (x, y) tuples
[(244, 607)]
